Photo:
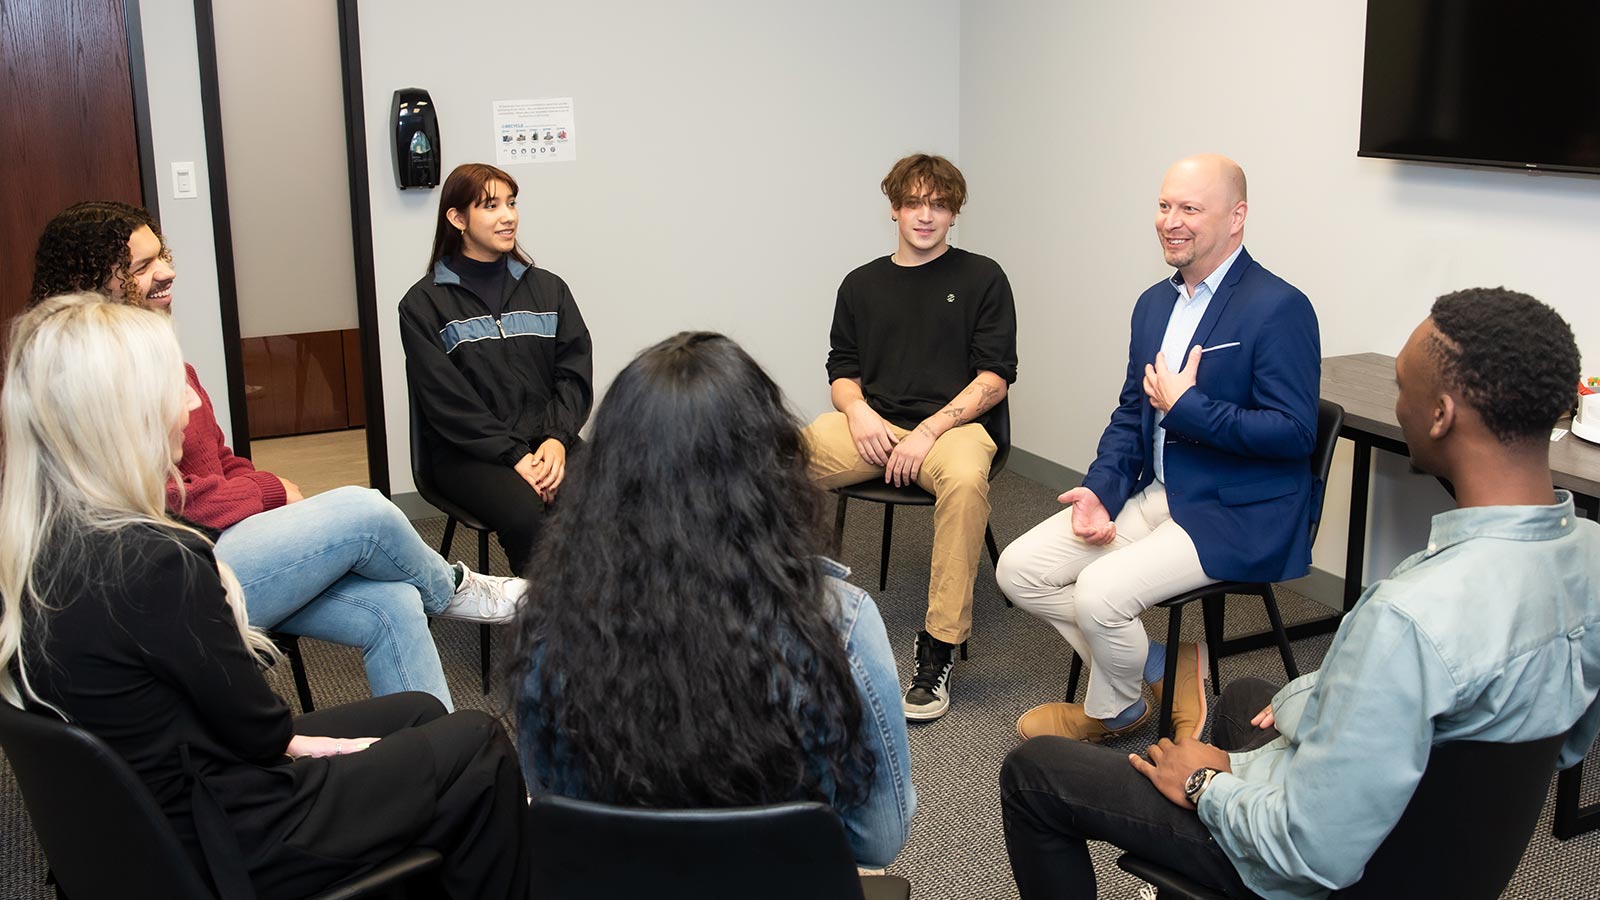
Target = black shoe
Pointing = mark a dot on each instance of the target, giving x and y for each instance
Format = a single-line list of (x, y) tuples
[(929, 695)]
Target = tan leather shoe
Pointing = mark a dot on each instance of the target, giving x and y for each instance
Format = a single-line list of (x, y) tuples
[(1189, 703), (1068, 720)]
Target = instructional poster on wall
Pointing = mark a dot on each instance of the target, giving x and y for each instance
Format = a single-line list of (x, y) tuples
[(534, 131)]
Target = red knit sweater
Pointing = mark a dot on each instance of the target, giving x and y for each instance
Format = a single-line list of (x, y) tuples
[(219, 489)]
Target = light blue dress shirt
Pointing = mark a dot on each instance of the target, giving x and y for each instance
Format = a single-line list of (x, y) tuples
[(1490, 634), (1187, 312)]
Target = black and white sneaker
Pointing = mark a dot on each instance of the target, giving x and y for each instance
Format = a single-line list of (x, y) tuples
[(929, 695)]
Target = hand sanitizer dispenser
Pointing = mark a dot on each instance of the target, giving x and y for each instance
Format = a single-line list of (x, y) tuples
[(416, 139)]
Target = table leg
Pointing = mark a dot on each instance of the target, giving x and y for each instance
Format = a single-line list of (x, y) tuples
[(1355, 554), (1571, 817)]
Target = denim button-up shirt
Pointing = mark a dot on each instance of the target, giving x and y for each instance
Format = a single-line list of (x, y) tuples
[(1490, 634), (878, 828)]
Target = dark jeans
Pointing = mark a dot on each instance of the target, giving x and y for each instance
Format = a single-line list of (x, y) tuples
[(1058, 794), (499, 496), (448, 782)]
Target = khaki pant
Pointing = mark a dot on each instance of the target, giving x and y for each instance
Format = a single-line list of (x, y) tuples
[(1094, 595), (956, 473)]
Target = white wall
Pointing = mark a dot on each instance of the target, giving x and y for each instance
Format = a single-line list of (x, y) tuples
[(1072, 111), (729, 159), (178, 131), (282, 100)]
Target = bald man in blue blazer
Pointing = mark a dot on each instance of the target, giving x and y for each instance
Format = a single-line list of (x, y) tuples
[(1202, 475)]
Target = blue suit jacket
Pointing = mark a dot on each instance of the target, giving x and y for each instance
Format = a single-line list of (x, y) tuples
[(1239, 442)]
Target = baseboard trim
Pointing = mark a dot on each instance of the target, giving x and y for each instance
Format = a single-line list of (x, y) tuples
[(1324, 587), (1045, 471), (412, 504)]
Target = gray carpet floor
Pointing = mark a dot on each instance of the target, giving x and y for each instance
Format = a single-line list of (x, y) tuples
[(956, 848)]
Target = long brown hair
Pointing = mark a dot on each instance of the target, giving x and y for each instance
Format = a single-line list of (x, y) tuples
[(467, 186)]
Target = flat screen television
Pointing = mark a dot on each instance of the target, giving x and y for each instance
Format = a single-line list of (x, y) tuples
[(1484, 82)]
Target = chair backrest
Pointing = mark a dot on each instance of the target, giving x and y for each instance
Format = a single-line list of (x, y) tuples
[(999, 428), (422, 470), (421, 458), (793, 851), (101, 830), (1467, 824), (1330, 418)]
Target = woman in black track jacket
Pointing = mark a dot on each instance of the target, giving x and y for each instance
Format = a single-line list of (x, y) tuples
[(499, 362)]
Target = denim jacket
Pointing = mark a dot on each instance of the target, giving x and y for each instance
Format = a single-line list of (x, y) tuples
[(877, 829), (1492, 633)]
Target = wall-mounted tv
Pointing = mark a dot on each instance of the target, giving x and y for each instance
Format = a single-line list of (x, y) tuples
[(1484, 82)]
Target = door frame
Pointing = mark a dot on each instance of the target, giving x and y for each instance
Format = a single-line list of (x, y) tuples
[(360, 226)]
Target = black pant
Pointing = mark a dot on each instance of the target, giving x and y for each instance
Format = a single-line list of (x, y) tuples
[(496, 494), (1057, 794), (447, 782)]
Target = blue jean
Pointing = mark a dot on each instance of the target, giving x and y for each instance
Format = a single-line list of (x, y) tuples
[(877, 829), (347, 567)]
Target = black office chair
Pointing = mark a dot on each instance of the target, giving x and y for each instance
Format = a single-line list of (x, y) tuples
[(1330, 417), (1455, 839), (794, 851), (102, 832), (874, 490), (289, 645), (422, 475)]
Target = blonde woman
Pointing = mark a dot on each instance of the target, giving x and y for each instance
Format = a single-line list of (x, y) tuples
[(119, 617)]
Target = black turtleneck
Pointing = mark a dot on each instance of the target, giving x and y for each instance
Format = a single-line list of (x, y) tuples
[(486, 279)]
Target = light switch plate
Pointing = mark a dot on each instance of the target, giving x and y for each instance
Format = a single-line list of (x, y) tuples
[(183, 181)]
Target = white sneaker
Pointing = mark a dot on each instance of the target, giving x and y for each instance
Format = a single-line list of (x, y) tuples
[(485, 598)]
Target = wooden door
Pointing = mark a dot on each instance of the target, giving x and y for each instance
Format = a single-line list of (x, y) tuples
[(66, 123)]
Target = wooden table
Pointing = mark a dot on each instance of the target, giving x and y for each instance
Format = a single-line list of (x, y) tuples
[(1363, 383)]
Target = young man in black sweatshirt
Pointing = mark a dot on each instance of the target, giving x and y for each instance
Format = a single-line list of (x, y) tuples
[(924, 345)]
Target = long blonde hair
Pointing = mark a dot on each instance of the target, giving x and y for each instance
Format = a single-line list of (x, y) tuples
[(92, 390)]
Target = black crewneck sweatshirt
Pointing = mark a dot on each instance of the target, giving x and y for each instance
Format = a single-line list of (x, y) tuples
[(916, 336)]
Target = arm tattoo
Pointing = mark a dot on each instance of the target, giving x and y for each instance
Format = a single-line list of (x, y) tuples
[(927, 431), (990, 397)]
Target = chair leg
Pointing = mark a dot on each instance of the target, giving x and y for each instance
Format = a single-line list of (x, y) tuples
[(963, 650), (449, 537), (1170, 679), (883, 556), (838, 525), (483, 630), (297, 668), (1211, 610), (1072, 679), (1270, 597)]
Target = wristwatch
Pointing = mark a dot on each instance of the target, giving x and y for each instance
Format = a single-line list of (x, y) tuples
[(1197, 784)]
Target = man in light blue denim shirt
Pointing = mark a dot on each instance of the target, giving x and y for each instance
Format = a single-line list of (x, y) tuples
[(1491, 633)]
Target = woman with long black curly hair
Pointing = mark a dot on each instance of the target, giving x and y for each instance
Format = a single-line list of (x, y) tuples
[(684, 643)]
